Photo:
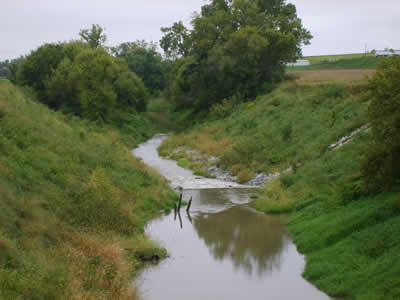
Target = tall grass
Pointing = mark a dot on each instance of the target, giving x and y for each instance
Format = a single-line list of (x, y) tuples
[(291, 125), (73, 204)]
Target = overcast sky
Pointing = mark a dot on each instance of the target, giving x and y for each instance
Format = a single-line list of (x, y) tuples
[(340, 26)]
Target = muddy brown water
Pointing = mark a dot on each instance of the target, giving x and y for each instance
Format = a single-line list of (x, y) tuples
[(223, 249)]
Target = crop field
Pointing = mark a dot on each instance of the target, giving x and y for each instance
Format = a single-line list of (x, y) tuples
[(339, 64), (329, 76), (329, 58)]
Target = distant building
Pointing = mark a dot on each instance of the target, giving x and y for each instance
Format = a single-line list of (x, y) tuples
[(299, 63), (387, 53)]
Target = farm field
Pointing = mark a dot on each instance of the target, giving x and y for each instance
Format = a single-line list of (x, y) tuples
[(338, 64), (321, 58), (329, 76)]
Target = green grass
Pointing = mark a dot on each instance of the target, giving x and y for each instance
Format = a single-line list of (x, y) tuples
[(73, 204), (292, 125), (339, 64), (350, 237)]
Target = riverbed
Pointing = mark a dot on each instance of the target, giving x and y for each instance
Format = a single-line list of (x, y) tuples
[(222, 248)]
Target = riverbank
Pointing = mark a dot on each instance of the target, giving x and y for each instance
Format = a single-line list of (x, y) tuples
[(220, 243), (348, 234), (73, 205)]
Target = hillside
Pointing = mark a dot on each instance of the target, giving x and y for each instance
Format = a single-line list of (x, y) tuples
[(350, 235), (73, 204)]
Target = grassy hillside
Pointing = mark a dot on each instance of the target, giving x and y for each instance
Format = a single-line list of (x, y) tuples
[(293, 124), (349, 235), (73, 203)]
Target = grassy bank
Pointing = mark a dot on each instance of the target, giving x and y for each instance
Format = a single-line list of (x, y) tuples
[(349, 235), (288, 127), (73, 204)]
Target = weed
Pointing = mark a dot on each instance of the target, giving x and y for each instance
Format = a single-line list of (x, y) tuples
[(287, 132), (273, 199), (244, 176)]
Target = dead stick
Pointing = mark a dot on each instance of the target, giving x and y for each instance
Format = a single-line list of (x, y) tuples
[(189, 217), (180, 219), (189, 204), (175, 210), (180, 203)]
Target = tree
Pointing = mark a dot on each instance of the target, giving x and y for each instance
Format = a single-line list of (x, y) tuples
[(381, 166), (237, 47), (131, 92), (93, 84), (144, 60), (38, 67), (87, 81), (177, 41), (95, 36)]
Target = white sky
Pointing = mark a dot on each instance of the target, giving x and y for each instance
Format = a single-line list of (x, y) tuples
[(340, 26)]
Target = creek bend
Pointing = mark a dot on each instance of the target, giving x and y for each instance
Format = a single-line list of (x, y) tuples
[(223, 249)]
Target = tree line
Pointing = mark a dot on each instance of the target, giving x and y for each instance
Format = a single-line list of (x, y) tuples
[(85, 78), (235, 49)]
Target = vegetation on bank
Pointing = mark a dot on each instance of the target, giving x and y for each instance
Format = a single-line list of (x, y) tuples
[(277, 131), (345, 202), (73, 204)]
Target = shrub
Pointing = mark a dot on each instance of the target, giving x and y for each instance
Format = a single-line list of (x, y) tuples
[(287, 180), (244, 176), (222, 110), (273, 198), (287, 132), (381, 166), (334, 91)]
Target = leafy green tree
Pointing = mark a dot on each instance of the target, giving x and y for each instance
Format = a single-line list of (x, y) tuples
[(237, 47), (95, 36), (131, 92), (91, 83), (144, 60), (381, 166), (79, 78), (177, 40), (38, 67), (13, 69)]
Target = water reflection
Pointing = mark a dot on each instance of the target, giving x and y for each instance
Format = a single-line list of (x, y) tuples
[(223, 249), (251, 241)]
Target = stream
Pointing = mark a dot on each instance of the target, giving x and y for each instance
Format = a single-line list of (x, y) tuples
[(223, 248)]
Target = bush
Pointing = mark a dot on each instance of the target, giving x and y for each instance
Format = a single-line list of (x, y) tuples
[(381, 166), (244, 176), (274, 198), (287, 132), (222, 110)]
